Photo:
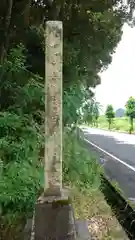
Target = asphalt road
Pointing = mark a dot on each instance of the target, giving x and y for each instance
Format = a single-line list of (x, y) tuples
[(116, 153)]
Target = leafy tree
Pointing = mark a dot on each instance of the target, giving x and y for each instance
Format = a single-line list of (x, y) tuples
[(100, 23), (110, 114), (96, 112), (87, 109), (130, 112), (91, 111), (84, 57)]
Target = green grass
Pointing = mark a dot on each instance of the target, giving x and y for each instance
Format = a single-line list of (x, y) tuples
[(79, 168), (82, 174), (119, 124)]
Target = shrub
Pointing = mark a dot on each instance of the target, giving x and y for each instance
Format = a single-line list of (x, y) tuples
[(21, 137), (79, 166)]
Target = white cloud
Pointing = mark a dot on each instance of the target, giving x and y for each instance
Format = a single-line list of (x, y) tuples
[(118, 81)]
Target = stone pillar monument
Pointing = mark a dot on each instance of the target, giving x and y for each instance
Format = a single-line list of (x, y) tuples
[(53, 109), (53, 218)]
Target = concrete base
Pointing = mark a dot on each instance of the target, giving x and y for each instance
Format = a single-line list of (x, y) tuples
[(54, 220), (82, 230), (28, 231)]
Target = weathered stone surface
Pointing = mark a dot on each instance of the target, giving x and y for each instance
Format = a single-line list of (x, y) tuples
[(53, 108), (28, 229), (79, 229), (82, 230), (54, 219), (49, 197)]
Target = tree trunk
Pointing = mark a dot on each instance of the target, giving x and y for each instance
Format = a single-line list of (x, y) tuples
[(6, 36), (131, 125), (27, 12), (109, 124), (54, 11)]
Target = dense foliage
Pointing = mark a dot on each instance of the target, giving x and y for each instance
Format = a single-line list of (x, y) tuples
[(91, 33), (21, 138)]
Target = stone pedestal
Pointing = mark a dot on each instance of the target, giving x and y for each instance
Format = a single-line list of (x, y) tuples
[(53, 220)]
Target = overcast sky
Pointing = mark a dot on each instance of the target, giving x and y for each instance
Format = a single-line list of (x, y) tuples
[(118, 81)]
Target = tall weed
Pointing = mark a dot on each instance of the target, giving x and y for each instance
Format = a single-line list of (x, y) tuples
[(79, 166)]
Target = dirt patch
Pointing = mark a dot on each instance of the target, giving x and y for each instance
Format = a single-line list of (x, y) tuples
[(92, 206)]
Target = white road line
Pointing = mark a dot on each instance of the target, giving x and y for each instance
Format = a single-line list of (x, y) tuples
[(109, 154)]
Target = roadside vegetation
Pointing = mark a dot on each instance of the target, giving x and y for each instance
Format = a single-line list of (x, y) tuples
[(121, 124), (82, 174), (130, 112), (109, 115), (87, 28)]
